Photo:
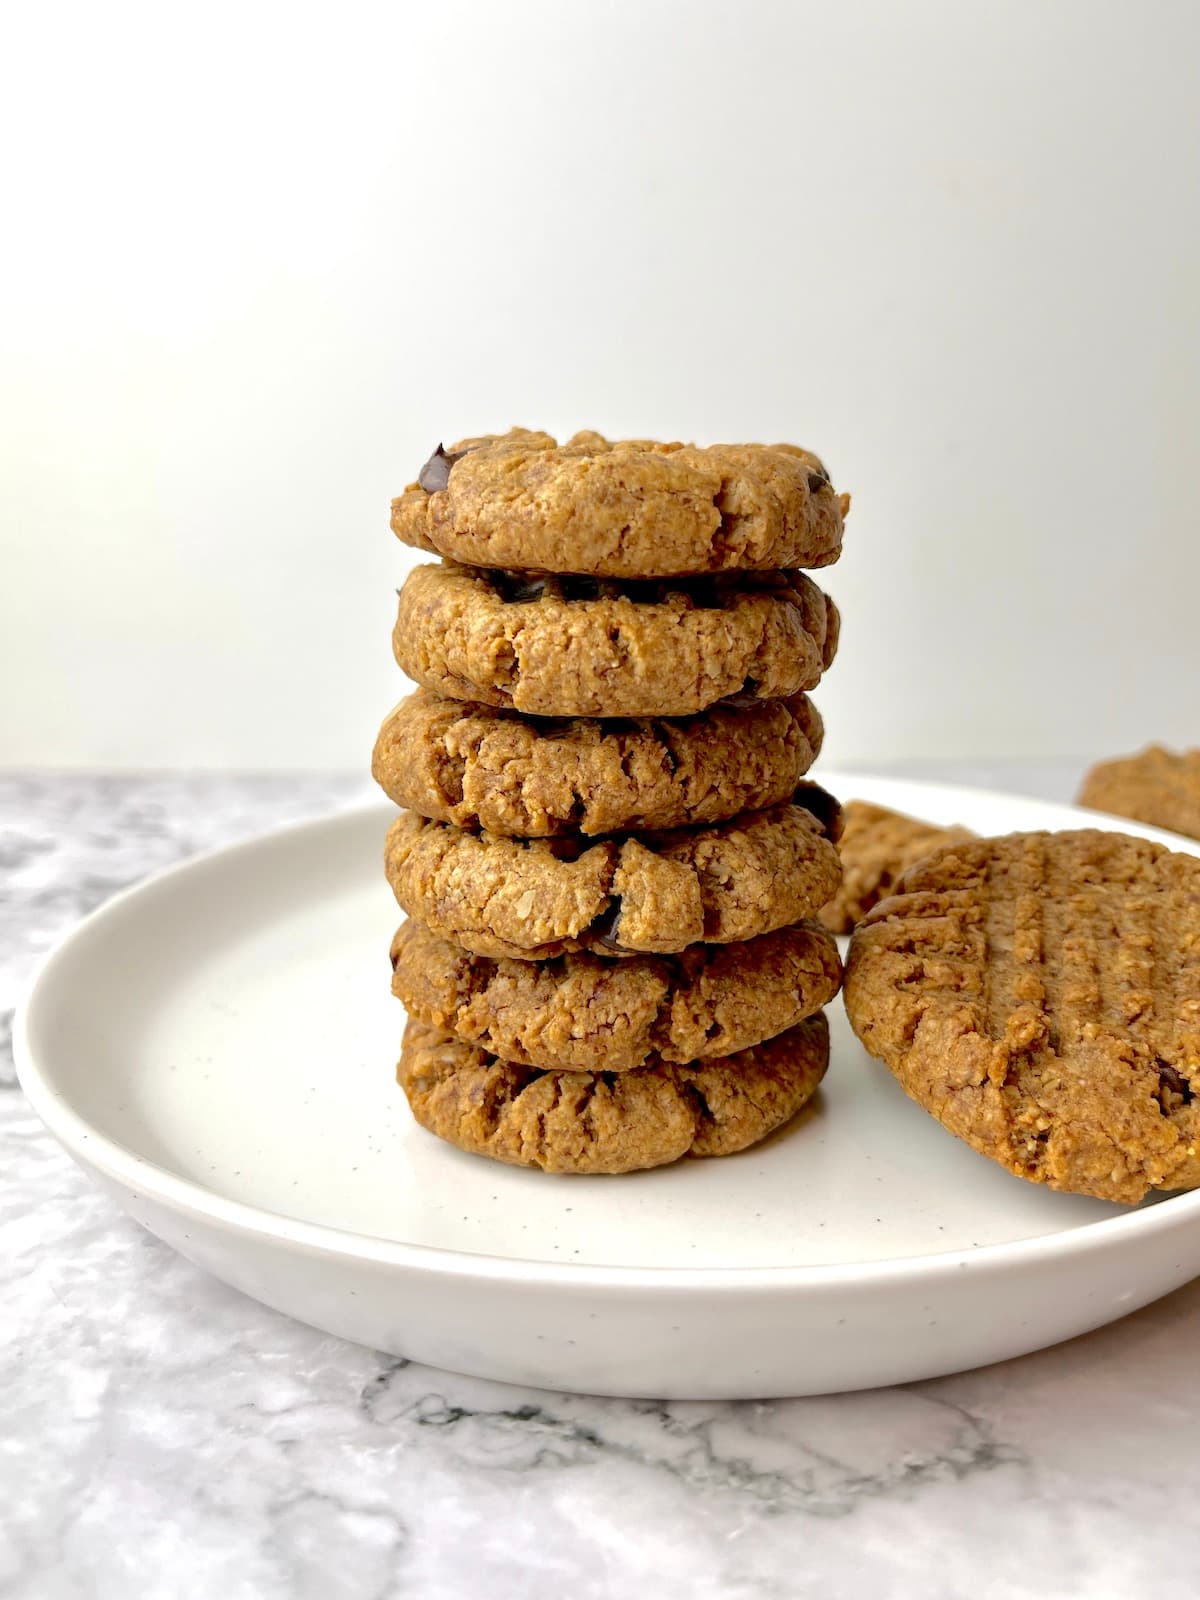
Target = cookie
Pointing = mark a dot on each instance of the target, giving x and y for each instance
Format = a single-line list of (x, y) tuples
[(1159, 787), (571, 647), (876, 846), (590, 1013), (481, 767), (628, 509), (1040, 995), (605, 1122), (655, 892)]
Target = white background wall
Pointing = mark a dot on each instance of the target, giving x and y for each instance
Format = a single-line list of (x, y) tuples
[(259, 259)]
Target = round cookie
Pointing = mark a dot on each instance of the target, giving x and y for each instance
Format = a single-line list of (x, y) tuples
[(1040, 995), (603, 1122), (481, 767), (876, 846), (589, 1013), (656, 892), (625, 509), (572, 647), (1157, 786)]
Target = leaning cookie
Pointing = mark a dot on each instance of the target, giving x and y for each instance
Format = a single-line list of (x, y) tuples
[(1157, 786), (585, 1122), (625, 509), (876, 846), (481, 767), (570, 647), (1040, 995), (656, 892), (591, 1013)]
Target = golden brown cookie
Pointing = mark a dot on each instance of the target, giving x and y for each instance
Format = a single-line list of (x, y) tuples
[(481, 767), (626, 509), (876, 846), (604, 1122), (588, 647), (1159, 787), (590, 1013), (654, 892), (1040, 995)]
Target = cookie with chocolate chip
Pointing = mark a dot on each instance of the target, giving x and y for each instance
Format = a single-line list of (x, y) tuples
[(486, 767), (579, 646), (1039, 994), (652, 892), (608, 1122), (1157, 786), (877, 845), (594, 1013), (622, 509)]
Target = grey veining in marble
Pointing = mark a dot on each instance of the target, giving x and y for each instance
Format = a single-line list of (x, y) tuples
[(164, 1438)]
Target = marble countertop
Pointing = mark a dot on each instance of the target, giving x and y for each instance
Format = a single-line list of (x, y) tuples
[(164, 1438)]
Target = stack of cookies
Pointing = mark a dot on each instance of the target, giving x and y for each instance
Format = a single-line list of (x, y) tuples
[(609, 856)]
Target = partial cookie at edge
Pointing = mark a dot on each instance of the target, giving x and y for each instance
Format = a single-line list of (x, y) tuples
[(1040, 995), (1157, 786)]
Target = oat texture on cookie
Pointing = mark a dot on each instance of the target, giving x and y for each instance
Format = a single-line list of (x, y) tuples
[(609, 852)]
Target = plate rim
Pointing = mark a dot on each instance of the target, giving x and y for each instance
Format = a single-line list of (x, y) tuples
[(143, 1178)]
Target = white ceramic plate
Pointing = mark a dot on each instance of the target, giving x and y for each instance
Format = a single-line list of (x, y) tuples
[(216, 1047)]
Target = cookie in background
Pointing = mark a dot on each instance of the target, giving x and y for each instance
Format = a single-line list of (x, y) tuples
[(1157, 786), (876, 846)]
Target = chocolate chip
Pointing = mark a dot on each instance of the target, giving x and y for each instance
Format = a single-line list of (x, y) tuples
[(1172, 1082), (565, 849), (531, 589), (435, 474), (746, 696), (816, 482), (642, 592), (783, 585), (822, 805), (706, 594), (518, 588), (580, 588), (606, 924)]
